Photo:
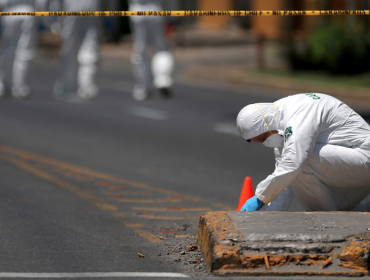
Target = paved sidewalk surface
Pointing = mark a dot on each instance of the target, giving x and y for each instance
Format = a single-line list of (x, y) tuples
[(286, 243)]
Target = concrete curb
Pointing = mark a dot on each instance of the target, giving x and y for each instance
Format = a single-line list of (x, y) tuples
[(276, 244), (216, 229)]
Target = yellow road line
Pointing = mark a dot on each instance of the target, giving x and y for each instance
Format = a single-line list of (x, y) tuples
[(87, 196), (77, 191), (168, 209), (80, 170), (130, 225), (122, 218), (123, 192), (90, 197), (151, 237), (168, 218), (148, 200), (65, 185), (191, 13), (119, 215)]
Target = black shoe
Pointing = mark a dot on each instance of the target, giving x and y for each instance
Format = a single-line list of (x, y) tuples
[(166, 93)]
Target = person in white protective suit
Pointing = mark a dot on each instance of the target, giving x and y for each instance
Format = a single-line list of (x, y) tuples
[(148, 31), (322, 152), (80, 52), (18, 40)]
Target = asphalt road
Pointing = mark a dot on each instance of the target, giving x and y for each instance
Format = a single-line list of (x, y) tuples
[(86, 187)]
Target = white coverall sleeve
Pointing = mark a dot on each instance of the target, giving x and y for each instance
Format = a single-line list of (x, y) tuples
[(300, 132)]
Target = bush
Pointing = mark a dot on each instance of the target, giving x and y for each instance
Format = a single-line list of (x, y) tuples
[(335, 50)]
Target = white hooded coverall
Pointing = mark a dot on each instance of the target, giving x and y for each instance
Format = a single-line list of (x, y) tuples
[(147, 32), (18, 45), (325, 156), (80, 50)]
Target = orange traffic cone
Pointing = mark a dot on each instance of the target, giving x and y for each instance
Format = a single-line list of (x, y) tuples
[(247, 192)]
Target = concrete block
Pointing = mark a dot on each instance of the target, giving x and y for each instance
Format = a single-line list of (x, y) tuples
[(286, 243)]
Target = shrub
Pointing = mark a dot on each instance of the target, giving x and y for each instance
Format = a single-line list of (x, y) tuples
[(335, 50)]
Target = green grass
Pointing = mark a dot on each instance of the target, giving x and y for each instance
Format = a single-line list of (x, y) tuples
[(361, 80)]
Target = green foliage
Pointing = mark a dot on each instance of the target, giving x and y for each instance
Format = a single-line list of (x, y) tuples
[(336, 50)]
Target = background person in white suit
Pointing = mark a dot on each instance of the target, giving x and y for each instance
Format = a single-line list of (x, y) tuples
[(18, 40), (150, 32), (80, 52)]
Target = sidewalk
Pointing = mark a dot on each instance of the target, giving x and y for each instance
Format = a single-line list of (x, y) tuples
[(285, 243)]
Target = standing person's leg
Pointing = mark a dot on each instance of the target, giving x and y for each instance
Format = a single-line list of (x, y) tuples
[(139, 59), (25, 52), (163, 61), (66, 84), (88, 58), (9, 39)]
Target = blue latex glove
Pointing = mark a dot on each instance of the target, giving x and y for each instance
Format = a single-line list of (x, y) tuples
[(252, 204)]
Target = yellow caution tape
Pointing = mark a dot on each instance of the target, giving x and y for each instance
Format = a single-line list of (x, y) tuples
[(193, 13)]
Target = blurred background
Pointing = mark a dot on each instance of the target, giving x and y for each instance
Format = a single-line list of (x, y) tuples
[(150, 157), (332, 44), (324, 53), (299, 51)]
